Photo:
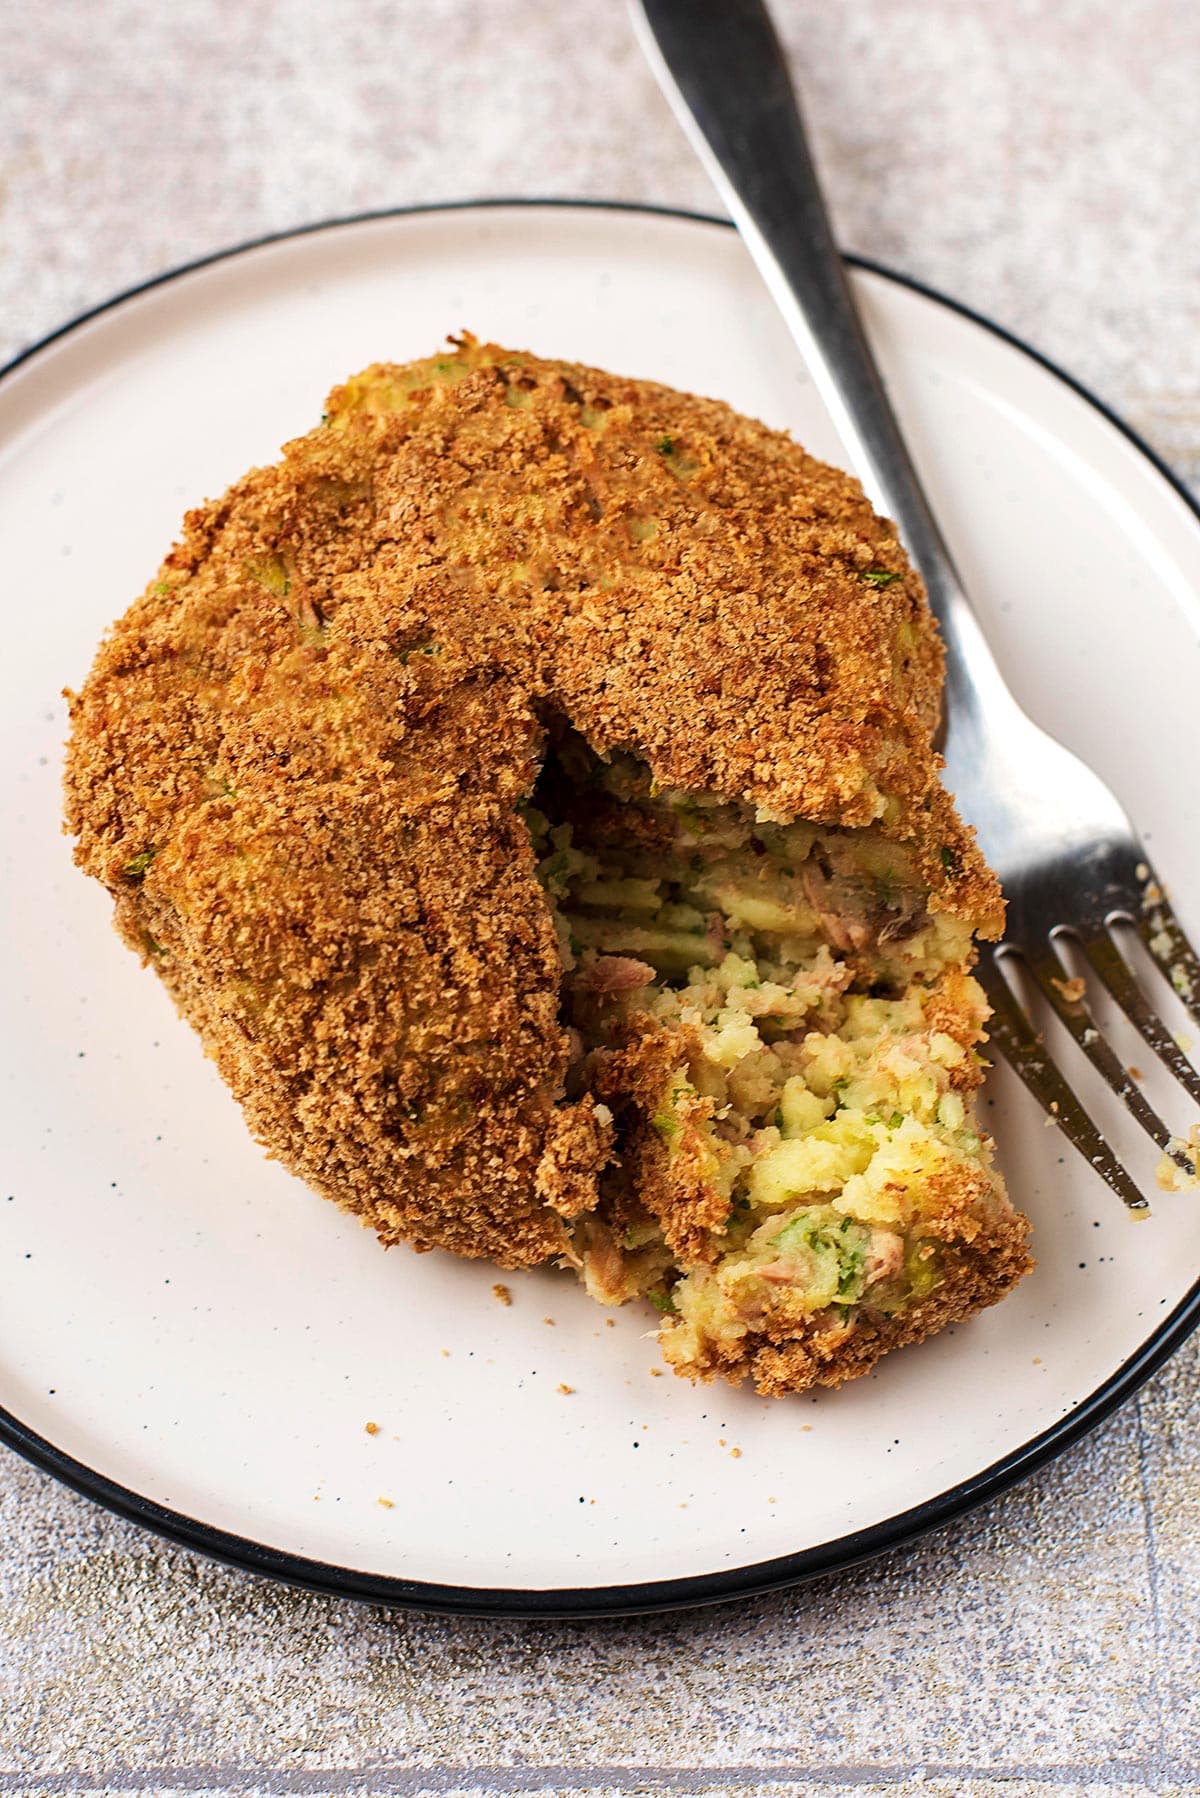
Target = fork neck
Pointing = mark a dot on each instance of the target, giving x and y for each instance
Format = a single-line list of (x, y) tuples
[(723, 70)]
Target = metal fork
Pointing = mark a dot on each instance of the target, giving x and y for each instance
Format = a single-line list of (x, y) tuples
[(1067, 855)]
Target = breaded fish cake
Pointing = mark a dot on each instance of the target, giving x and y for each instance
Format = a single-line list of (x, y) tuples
[(527, 790)]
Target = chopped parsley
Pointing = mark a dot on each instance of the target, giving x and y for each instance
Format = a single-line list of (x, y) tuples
[(271, 574), (880, 577), (665, 446), (668, 1126), (135, 868), (852, 1253)]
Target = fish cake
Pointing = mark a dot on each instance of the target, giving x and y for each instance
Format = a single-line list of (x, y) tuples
[(526, 788)]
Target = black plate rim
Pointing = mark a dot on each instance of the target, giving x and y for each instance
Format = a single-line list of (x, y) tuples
[(653, 1596)]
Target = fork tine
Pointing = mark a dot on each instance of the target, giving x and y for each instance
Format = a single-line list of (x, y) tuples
[(1052, 974), (1112, 968), (1012, 1032), (1163, 936)]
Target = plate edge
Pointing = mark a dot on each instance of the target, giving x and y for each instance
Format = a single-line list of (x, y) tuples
[(693, 1590)]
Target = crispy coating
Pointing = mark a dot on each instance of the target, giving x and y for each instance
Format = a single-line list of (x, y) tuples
[(298, 758)]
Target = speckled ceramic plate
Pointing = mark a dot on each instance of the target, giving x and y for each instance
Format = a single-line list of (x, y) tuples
[(192, 1337)]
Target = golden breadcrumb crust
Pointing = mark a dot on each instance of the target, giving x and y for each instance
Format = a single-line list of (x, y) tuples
[(297, 760)]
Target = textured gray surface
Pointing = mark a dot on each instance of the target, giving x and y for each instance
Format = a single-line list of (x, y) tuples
[(1037, 162)]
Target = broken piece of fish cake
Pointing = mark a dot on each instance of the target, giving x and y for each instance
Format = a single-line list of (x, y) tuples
[(527, 789)]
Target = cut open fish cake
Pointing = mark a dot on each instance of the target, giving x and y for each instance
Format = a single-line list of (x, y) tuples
[(527, 789)]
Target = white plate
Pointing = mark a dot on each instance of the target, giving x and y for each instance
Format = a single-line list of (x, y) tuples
[(191, 1336)]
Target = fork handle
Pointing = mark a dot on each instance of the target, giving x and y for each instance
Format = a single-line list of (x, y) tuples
[(720, 65)]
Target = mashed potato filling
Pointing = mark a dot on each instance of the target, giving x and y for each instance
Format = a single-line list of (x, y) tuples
[(785, 1034)]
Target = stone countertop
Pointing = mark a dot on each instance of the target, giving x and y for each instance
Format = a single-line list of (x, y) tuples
[(1038, 163)]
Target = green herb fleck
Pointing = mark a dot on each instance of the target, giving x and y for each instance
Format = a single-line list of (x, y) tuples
[(555, 865), (849, 1276), (665, 446), (536, 822), (419, 649), (663, 1301), (135, 868), (921, 1268), (949, 859), (880, 577), (272, 575), (889, 889)]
